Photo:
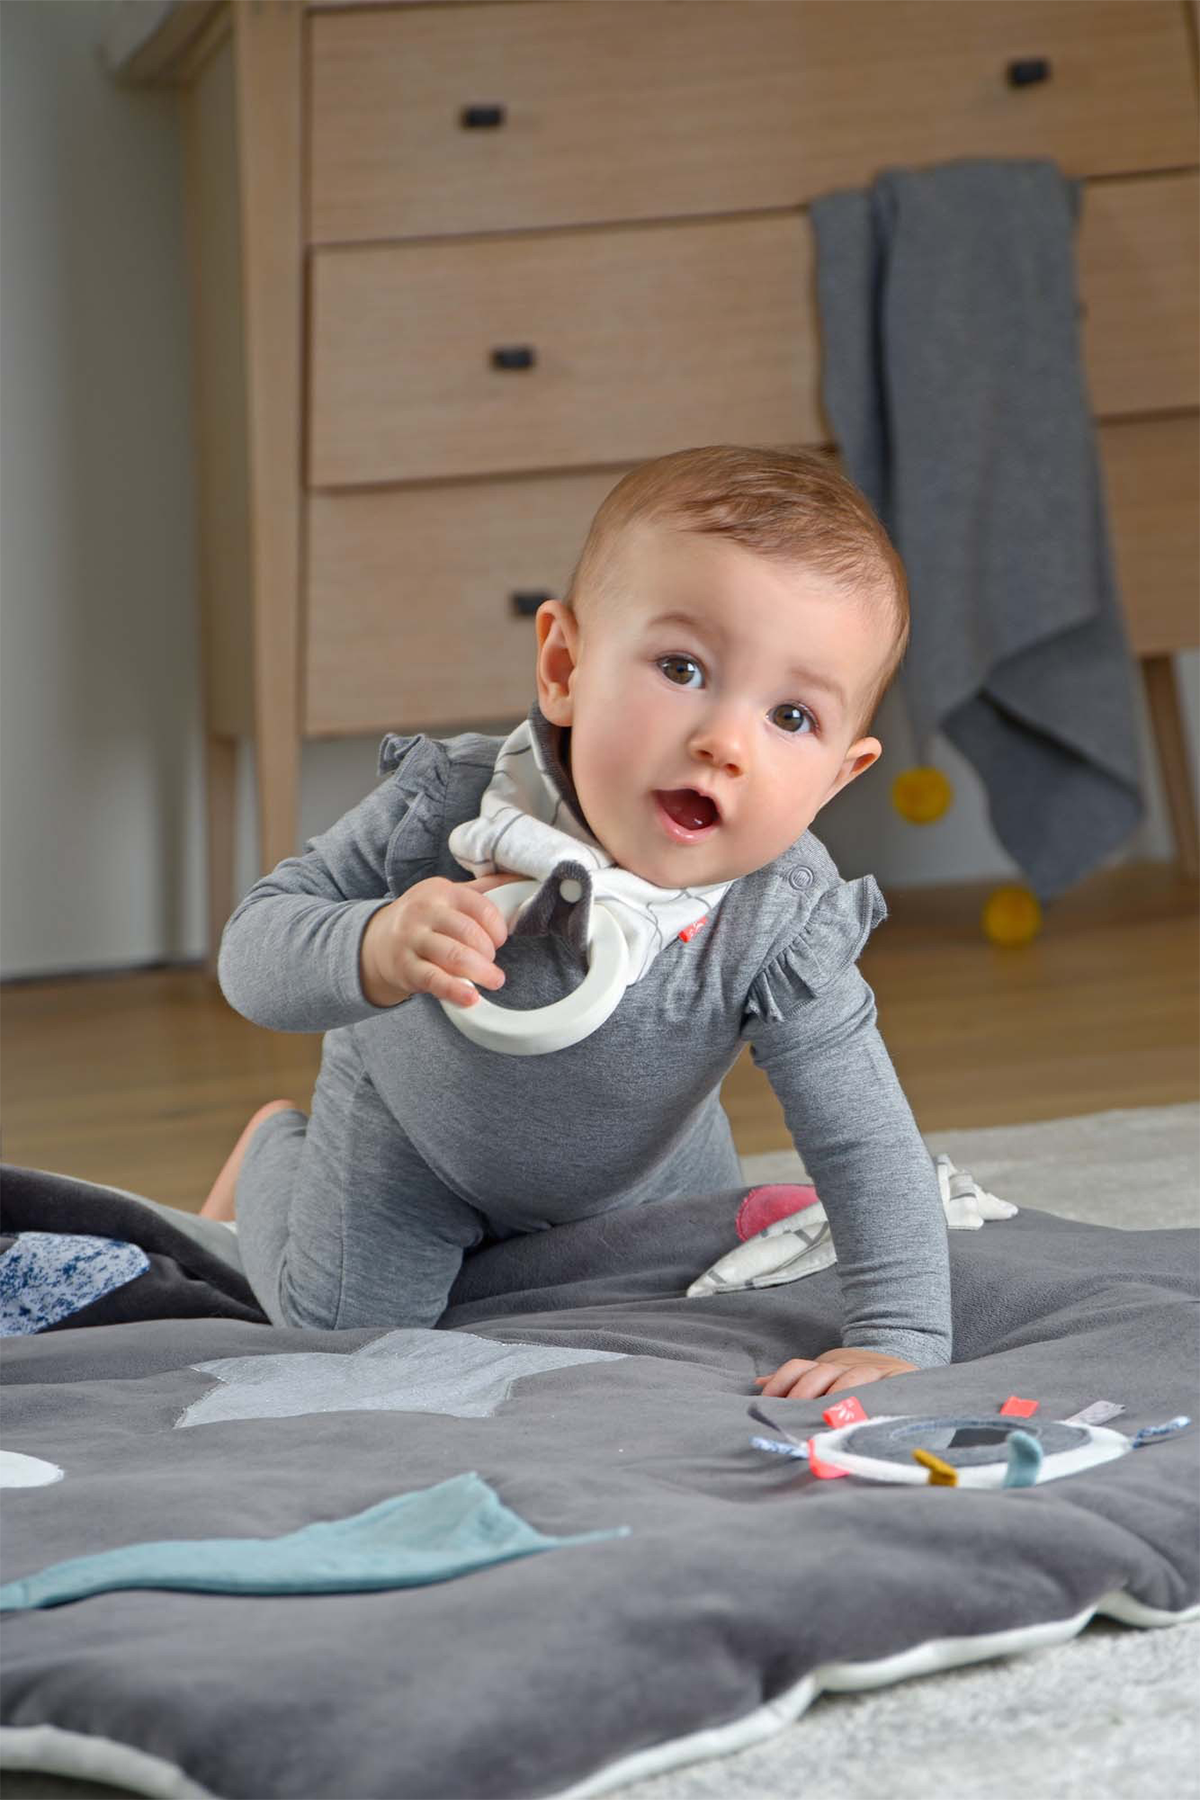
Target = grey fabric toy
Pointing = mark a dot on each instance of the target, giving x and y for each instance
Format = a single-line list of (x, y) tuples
[(954, 385)]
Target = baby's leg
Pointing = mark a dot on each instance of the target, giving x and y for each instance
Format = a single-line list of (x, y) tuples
[(220, 1201), (340, 1223)]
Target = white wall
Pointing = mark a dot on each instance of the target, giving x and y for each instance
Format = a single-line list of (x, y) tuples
[(101, 817), (99, 716)]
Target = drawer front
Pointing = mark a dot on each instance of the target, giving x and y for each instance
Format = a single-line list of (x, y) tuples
[(646, 339), (613, 109), (1152, 476), (412, 623), (1139, 279)]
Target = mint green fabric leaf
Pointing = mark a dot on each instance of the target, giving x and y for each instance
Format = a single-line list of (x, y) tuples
[(434, 1534)]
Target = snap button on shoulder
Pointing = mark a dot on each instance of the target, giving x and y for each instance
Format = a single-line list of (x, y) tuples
[(800, 878), (570, 890)]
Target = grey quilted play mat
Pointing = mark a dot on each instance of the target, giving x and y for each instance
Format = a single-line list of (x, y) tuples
[(553, 1559)]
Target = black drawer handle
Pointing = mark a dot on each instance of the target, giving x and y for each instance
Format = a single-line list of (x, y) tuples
[(514, 356), (1027, 70), (525, 601), (482, 118)]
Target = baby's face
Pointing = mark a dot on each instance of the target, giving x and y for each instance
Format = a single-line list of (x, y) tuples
[(748, 695)]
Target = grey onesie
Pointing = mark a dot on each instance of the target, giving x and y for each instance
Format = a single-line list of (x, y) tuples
[(421, 1145)]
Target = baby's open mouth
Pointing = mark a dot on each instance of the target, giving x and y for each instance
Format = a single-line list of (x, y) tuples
[(693, 811)]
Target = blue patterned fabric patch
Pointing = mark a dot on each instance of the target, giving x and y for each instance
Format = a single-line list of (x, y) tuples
[(48, 1275)]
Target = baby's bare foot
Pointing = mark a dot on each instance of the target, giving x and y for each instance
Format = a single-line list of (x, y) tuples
[(220, 1202)]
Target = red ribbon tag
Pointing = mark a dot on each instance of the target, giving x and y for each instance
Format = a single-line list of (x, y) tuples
[(845, 1412), (689, 931)]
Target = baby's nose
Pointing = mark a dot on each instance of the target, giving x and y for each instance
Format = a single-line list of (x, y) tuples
[(722, 738), (726, 753)]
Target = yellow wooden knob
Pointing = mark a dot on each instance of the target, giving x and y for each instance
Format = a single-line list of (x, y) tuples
[(1012, 916), (921, 795)]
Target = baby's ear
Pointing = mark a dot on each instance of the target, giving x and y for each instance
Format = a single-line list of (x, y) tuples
[(856, 762), (557, 659)]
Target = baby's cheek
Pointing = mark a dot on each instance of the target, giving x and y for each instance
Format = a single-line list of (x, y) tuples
[(604, 776)]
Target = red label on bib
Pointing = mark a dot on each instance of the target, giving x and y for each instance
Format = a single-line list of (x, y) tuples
[(689, 931)]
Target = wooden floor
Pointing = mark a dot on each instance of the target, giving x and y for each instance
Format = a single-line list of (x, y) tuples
[(144, 1080)]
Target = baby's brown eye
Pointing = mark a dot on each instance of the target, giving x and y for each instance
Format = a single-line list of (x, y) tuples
[(793, 718), (669, 664)]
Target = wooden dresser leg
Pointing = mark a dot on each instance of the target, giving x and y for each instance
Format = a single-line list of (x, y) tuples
[(1174, 757), (278, 773), (220, 800), (268, 50)]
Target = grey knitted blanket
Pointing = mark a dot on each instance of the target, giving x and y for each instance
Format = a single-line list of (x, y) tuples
[(954, 385)]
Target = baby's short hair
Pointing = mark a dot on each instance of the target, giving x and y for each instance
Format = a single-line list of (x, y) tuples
[(792, 505)]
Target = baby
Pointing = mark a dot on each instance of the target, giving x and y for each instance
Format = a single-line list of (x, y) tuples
[(703, 690)]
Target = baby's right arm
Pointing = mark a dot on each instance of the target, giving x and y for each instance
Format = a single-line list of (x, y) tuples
[(435, 934), (294, 954)]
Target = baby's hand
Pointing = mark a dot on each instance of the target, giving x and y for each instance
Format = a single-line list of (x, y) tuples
[(832, 1369), (438, 938)]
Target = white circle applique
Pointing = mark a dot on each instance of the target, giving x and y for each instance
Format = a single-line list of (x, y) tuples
[(26, 1471)]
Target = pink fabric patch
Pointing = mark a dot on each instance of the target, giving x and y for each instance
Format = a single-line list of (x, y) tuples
[(763, 1205)]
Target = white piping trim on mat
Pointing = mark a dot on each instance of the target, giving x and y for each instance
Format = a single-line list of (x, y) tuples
[(847, 1677), (53, 1751)]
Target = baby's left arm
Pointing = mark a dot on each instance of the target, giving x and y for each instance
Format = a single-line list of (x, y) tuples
[(853, 1126)]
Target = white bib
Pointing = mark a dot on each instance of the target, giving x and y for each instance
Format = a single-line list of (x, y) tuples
[(526, 826)]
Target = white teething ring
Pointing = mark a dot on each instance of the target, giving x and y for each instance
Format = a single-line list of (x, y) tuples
[(1101, 1446), (540, 1029)]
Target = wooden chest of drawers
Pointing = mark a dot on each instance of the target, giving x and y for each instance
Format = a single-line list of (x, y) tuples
[(457, 266)]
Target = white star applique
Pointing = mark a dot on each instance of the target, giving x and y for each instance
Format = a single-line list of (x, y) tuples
[(410, 1370)]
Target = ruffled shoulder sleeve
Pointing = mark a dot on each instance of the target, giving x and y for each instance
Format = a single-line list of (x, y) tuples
[(395, 749), (831, 939), (419, 767)]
